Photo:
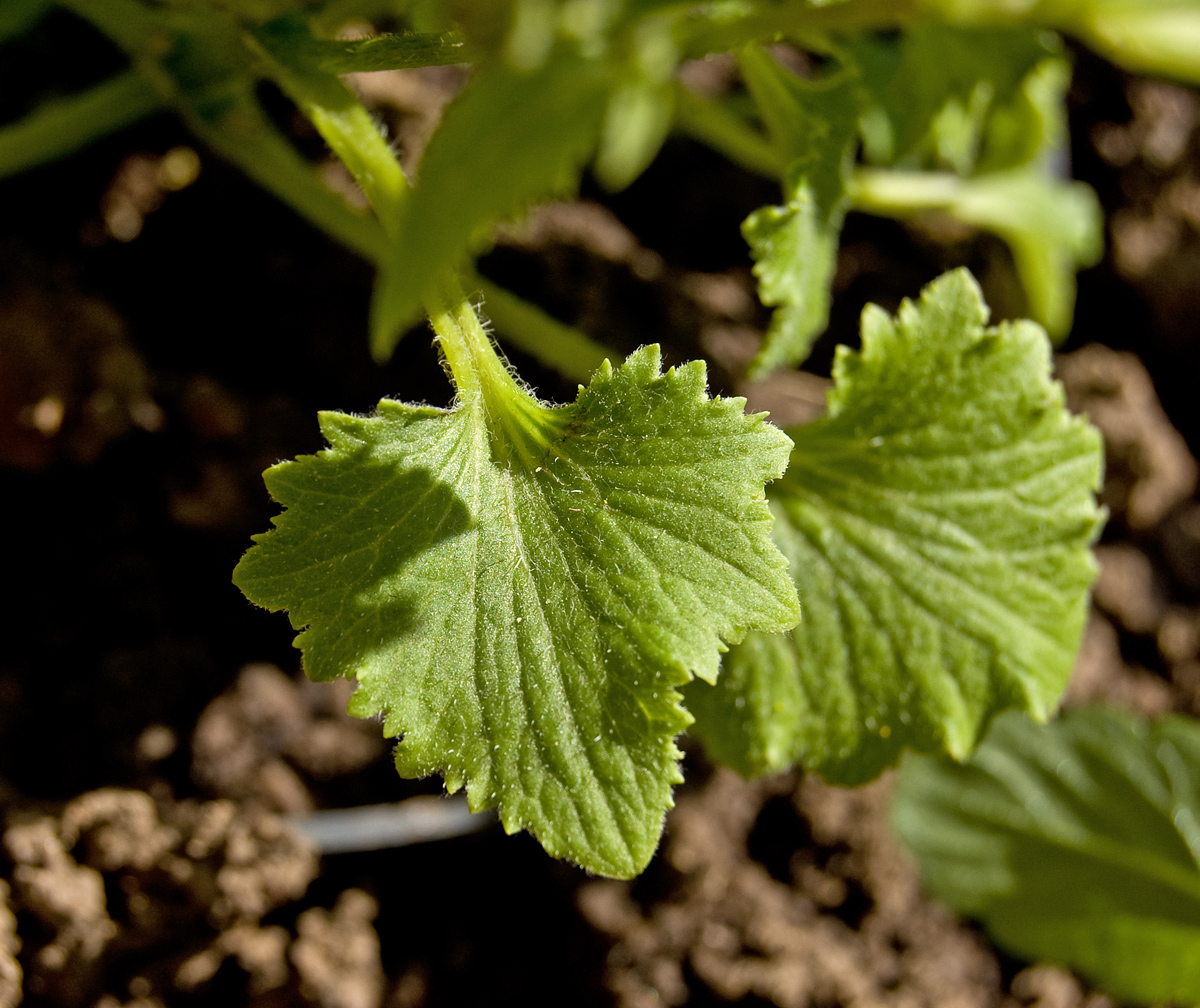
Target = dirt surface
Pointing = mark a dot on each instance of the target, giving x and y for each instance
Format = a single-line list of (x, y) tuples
[(167, 331)]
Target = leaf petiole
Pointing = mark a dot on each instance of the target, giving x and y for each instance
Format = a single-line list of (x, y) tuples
[(557, 345), (517, 422)]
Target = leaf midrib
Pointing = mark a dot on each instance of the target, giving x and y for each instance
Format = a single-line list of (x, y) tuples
[(1148, 864)]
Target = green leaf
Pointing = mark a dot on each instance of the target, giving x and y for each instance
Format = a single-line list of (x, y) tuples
[(988, 104), (1052, 227), (388, 52), (937, 523), (750, 720), (641, 106), (1157, 37), (795, 254), (813, 125), (1032, 125), (935, 89), (521, 589), (636, 123), (510, 138), (1077, 842)]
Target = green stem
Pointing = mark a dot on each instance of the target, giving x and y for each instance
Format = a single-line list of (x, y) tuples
[(338, 116), (475, 366), (727, 132), (348, 129), (896, 193), (61, 127), (274, 164), (561, 347), (241, 133), (518, 425)]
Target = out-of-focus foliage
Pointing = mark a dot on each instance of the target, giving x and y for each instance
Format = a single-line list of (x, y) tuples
[(1077, 842)]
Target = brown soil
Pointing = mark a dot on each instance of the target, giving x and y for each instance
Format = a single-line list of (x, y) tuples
[(119, 877)]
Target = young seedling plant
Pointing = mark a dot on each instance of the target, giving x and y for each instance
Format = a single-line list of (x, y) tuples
[(539, 598)]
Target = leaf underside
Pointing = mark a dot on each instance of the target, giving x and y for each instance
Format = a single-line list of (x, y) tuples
[(937, 523), (1077, 842), (523, 619)]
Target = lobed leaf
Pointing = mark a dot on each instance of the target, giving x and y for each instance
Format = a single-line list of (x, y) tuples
[(1077, 842), (521, 589), (937, 523)]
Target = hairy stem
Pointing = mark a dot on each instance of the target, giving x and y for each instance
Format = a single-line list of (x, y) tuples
[(338, 116), (520, 427), (474, 364), (557, 345)]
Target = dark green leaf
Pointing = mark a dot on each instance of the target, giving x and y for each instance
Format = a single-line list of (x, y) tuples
[(62, 126), (18, 16), (388, 52), (1077, 842)]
